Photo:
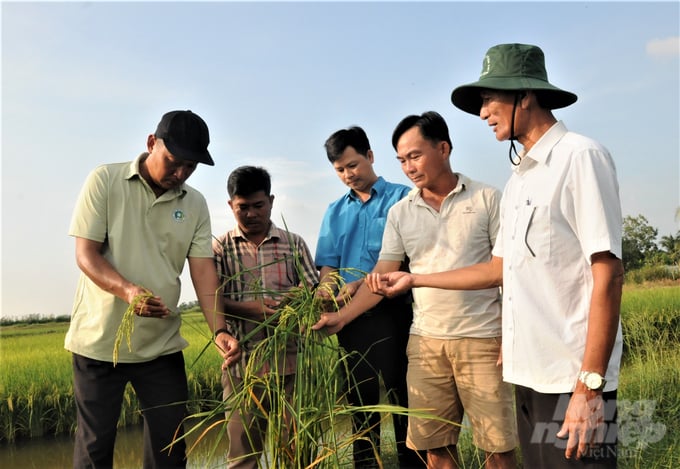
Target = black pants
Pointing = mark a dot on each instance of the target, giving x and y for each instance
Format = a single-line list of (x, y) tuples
[(540, 417), (376, 342), (161, 388)]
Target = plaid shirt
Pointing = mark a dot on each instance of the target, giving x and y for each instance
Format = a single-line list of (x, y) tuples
[(250, 272)]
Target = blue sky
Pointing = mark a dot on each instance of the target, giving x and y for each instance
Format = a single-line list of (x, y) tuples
[(85, 83)]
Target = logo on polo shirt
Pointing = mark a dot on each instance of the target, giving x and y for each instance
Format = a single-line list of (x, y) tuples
[(178, 215)]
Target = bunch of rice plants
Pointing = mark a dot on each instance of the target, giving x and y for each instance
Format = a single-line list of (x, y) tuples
[(127, 325), (298, 426), (310, 427), (8, 419)]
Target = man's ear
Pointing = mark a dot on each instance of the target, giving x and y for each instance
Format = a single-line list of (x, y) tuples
[(525, 98), (271, 199), (369, 156), (446, 148), (150, 142)]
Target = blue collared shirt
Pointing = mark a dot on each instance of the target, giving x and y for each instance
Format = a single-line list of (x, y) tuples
[(351, 230)]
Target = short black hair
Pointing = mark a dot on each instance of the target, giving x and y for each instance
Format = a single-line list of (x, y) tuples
[(246, 180), (432, 126), (354, 137)]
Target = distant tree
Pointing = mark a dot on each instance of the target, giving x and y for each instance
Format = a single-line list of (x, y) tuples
[(671, 248), (188, 305), (639, 242)]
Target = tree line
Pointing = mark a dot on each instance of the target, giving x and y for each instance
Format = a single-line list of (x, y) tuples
[(641, 248)]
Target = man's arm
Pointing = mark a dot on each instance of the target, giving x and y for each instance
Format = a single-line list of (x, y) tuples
[(362, 301), (605, 310), (329, 286), (98, 269), (208, 292), (473, 277), (585, 413), (327, 282), (255, 310)]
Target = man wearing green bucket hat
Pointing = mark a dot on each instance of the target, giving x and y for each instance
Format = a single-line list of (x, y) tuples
[(558, 259)]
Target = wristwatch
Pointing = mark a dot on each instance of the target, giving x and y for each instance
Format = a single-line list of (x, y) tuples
[(592, 380)]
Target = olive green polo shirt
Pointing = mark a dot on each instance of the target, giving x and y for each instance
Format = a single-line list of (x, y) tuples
[(147, 239)]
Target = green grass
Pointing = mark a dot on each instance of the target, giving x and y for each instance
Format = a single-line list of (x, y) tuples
[(36, 396), (36, 388), (650, 374), (36, 391)]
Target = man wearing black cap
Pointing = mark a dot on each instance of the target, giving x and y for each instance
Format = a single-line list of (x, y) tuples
[(558, 259), (135, 225)]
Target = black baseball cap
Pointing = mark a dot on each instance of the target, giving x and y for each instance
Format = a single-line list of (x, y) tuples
[(186, 136)]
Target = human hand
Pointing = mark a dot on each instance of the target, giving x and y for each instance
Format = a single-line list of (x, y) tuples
[(229, 348), (390, 284), (347, 291), (257, 310), (268, 306), (325, 291), (146, 304), (583, 422), (331, 322), (326, 298)]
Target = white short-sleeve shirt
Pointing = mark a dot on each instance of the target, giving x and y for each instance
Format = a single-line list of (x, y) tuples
[(560, 206)]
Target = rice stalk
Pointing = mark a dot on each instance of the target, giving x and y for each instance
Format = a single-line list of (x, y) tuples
[(127, 324)]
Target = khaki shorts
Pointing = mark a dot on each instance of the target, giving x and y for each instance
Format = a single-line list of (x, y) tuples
[(446, 376)]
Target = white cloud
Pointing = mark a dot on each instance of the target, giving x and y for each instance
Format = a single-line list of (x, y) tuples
[(668, 47)]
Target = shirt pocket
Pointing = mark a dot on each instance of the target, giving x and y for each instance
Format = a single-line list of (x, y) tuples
[(374, 235), (536, 231)]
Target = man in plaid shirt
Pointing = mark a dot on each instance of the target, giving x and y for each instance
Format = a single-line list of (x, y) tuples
[(257, 265)]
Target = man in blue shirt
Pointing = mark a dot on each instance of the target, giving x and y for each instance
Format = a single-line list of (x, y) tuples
[(349, 243)]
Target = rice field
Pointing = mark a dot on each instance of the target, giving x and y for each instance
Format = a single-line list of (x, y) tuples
[(649, 385), (36, 395), (36, 389)]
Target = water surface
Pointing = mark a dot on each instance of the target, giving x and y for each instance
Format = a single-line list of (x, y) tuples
[(57, 452)]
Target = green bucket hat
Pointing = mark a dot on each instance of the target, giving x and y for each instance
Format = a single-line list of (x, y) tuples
[(512, 67)]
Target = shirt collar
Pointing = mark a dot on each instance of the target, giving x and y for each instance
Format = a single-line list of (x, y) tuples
[(377, 189), (134, 173), (541, 150), (133, 167), (273, 233), (461, 185), (463, 181)]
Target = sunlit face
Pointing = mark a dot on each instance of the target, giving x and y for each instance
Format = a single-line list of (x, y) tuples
[(356, 170), (163, 170), (253, 212), (421, 160), (497, 111)]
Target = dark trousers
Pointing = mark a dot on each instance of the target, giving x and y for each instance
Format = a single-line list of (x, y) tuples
[(161, 388), (540, 417), (376, 344)]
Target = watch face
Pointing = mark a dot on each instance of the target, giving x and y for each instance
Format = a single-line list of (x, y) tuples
[(593, 381)]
